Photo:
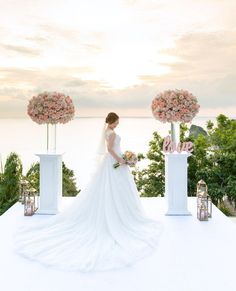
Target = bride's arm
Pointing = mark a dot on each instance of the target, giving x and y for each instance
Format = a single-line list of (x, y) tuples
[(110, 143)]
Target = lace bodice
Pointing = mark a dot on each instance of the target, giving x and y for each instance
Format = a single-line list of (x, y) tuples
[(116, 146)]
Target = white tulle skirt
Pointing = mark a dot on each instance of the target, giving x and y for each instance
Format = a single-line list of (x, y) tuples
[(105, 228)]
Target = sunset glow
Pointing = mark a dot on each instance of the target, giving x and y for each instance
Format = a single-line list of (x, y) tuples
[(119, 53)]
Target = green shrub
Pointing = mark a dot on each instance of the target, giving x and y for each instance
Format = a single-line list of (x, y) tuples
[(12, 175), (225, 209), (213, 160), (10, 182), (68, 180)]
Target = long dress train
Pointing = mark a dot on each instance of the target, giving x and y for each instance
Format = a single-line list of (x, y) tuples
[(105, 228)]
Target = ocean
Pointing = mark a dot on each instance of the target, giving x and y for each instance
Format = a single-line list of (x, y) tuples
[(78, 140)]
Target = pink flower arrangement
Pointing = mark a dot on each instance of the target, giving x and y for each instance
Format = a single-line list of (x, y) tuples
[(175, 105), (130, 159), (51, 107)]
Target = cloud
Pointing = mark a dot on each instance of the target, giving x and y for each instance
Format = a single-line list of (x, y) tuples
[(91, 41), (85, 93), (206, 66), (147, 46), (12, 108), (21, 50), (36, 39), (203, 53), (35, 77), (58, 31), (92, 47), (144, 4)]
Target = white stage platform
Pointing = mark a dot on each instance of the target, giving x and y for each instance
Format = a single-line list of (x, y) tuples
[(191, 256)]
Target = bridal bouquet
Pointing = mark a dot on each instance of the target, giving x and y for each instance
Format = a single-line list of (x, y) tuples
[(130, 159)]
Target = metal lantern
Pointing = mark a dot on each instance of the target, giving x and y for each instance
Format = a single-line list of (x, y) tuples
[(204, 203), (202, 213), (31, 202), (202, 187), (209, 202), (29, 205), (36, 204)]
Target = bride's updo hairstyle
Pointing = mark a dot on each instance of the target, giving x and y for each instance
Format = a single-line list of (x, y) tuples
[(111, 117)]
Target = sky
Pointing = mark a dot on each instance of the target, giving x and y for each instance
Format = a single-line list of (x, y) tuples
[(117, 55)]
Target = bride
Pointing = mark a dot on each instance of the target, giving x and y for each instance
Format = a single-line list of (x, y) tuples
[(105, 228)]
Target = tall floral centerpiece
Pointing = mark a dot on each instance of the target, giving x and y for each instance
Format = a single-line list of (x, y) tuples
[(175, 106), (51, 108)]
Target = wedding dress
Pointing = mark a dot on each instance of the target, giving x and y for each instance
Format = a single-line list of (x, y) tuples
[(105, 228)]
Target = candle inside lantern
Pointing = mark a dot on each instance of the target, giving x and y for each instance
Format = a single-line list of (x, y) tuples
[(204, 204), (29, 206)]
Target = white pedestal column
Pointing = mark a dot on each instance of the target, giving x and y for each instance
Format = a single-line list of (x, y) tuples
[(50, 183), (176, 183)]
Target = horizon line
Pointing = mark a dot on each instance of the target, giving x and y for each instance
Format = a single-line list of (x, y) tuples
[(121, 116)]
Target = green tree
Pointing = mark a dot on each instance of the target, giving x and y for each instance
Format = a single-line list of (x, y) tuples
[(199, 163), (68, 184), (150, 180), (32, 176), (213, 160), (10, 182), (222, 153)]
